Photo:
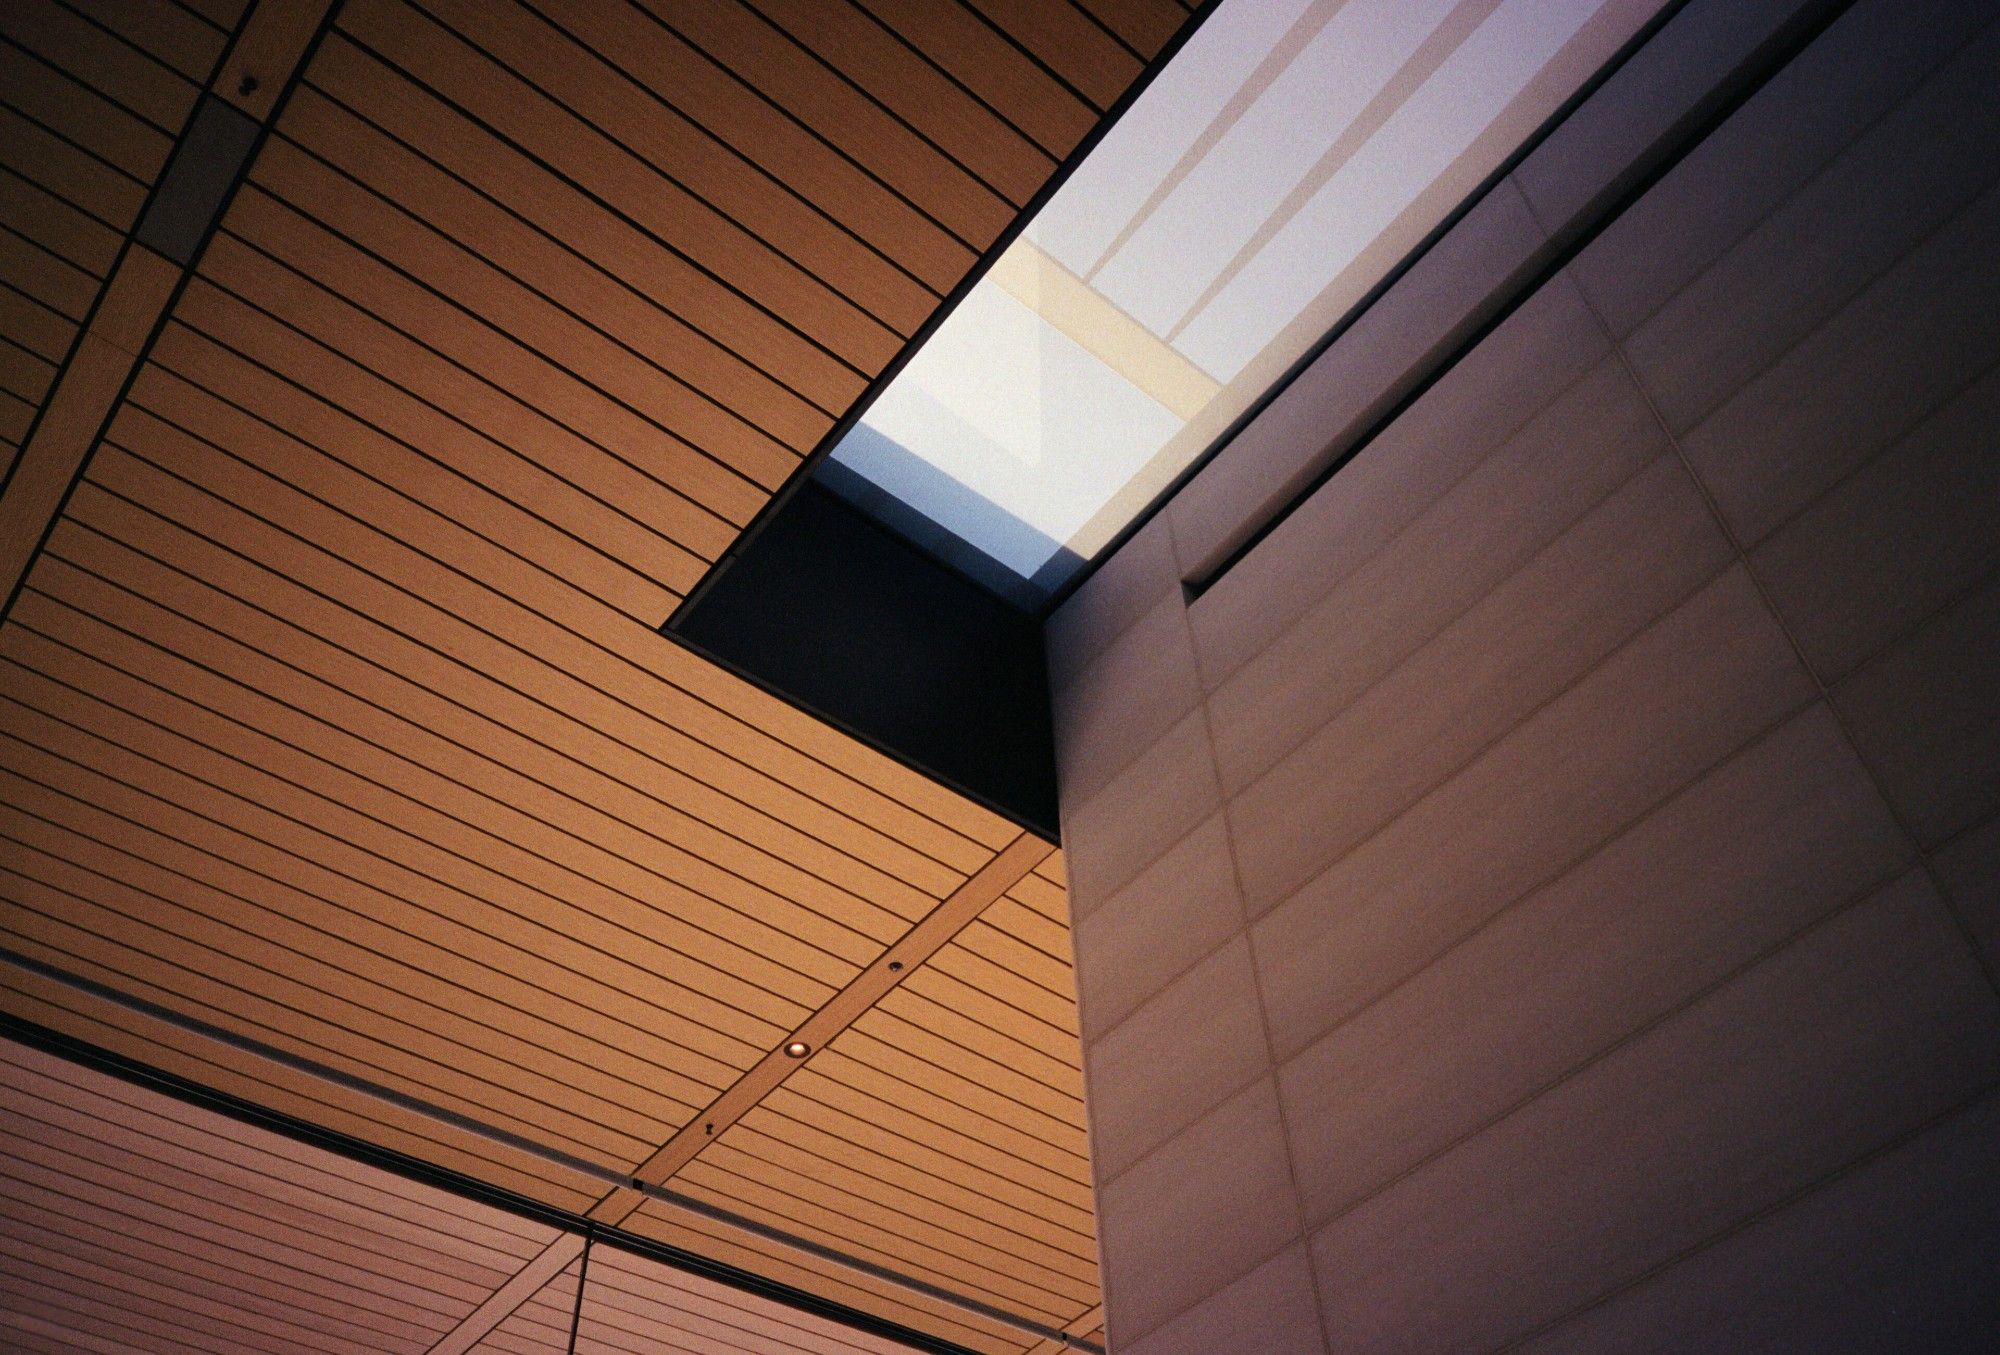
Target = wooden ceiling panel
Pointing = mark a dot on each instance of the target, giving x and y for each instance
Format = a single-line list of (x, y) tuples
[(843, 1284), (153, 1225), (626, 180), (937, 1136), (42, 90), (735, 146), (64, 231), (1067, 41), (157, 1044), (635, 1306), (343, 767), (134, 79), (912, 89), (990, 67), (178, 37)]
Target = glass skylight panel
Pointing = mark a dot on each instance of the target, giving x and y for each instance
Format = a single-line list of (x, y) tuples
[(1282, 164)]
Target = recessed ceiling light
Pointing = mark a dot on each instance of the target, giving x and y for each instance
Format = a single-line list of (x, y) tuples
[(798, 1049)]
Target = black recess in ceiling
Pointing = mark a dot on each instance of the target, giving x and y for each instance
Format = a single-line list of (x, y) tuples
[(829, 610)]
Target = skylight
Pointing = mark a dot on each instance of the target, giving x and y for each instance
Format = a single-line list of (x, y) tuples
[(1277, 169)]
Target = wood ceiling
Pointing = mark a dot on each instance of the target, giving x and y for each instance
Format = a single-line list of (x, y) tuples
[(333, 707)]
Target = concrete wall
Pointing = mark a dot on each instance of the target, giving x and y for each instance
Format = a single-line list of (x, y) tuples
[(1546, 892)]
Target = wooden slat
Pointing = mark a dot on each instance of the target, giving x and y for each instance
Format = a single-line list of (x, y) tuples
[(740, 260), (1143, 26), (51, 98), (93, 57), (55, 225), (523, 1020), (103, 190), (991, 69), (786, 776), (520, 505), (150, 1217), (914, 91), (223, 715), (169, 33), (525, 1101), (721, 792), (24, 375), (56, 283), (679, 1228), (804, 388), (33, 326), (95, 1022), (715, 131), (894, 153), (858, 1223), (633, 1298), (907, 955), (1067, 42), (317, 339)]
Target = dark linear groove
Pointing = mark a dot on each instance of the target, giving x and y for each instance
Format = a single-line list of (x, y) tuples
[(101, 95), (969, 244), (276, 194), (684, 441), (81, 1261), (201, 18), (113, 1137), (761, 851), (75, 145), (734, 758), (411, 211), (356, 364), (757, 15), (866, 1094), (403, 718), (1103, 26), (638, 227), (530, 1018), (835, 435), (147, 952), (174, 294), (43, 249), (123, 41), (999, 1260), (343, 414), (915, 1057), (925, 1259), (55, 196), (233, 830), (388, 960), (570, 250), (102, 1216), (1088, 1239), (1034, 143), (309, 1016), (549, 1136), (479, 378), (1769, 62), (1044, 67), (96, 1154), (459, 1184), (404, 834), (702, 128), (692, 120)]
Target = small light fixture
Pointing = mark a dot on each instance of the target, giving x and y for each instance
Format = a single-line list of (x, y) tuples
[(798, 1049)]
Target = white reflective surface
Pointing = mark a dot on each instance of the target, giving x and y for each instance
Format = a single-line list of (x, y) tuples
[(1286, 159)]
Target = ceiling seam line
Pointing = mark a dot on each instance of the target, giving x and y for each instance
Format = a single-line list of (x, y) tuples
[(988, 885)]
